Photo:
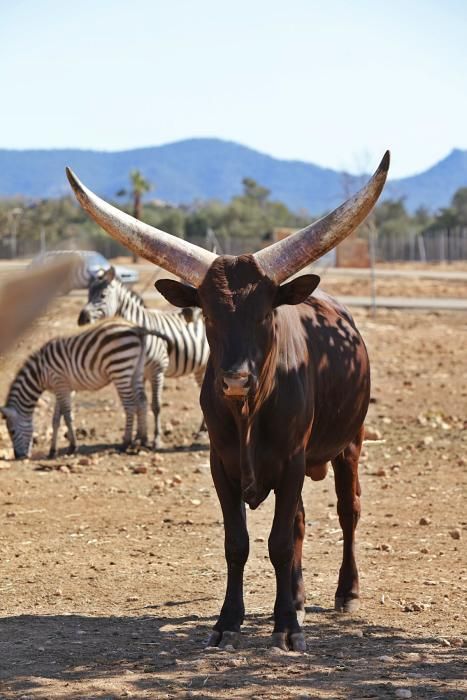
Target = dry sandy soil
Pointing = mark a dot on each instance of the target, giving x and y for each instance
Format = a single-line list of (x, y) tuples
[(112, 568)]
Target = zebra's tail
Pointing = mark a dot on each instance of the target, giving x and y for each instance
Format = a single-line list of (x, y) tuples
[(142, 331)]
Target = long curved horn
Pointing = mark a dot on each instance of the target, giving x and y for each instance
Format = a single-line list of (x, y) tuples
[(188, 261), (286, 257)]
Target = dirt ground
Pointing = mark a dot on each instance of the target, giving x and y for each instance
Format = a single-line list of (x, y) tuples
[(112, 567)]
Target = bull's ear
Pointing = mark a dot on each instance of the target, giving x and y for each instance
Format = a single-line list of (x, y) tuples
[(177, 293), (297, 290)]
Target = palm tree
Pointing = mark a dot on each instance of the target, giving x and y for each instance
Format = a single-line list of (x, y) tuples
[(139, 186)]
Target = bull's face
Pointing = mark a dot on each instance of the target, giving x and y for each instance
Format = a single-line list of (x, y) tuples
[(238, 302), (102, 301)]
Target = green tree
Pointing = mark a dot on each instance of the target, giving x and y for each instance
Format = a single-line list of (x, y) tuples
[(139, 186)]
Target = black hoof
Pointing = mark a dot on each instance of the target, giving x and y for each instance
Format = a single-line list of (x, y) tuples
[(346, 605)]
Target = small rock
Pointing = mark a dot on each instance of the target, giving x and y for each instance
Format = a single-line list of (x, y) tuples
[(132, 598), (372, 434), (445, 642), (403, 693), (385, 659), (424, 521), (177, 479), (84, 461), (457, 641), (58, 592), (380, 472), (427, 440), (195, 502), (455, 533), (140, 469)]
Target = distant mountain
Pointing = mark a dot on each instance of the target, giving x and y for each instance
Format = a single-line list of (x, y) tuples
[(200, 169)]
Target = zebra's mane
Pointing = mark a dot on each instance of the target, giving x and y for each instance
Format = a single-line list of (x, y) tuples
[(131, 293)]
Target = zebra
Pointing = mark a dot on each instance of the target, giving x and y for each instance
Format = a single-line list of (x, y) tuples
[(112, 351), (185, 352)]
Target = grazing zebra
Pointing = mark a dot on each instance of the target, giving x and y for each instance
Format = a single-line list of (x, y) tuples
[(185, 352), (113, 351)]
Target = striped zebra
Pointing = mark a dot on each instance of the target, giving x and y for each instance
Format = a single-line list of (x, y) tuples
[(186, 351), (113, 351)]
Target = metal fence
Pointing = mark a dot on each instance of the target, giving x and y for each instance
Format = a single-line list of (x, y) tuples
[(431, 246)]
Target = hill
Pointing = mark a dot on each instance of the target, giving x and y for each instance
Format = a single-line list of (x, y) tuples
[(200, 169)]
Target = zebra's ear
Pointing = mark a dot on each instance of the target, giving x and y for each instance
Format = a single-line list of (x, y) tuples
[(109, 275), (177, 293)]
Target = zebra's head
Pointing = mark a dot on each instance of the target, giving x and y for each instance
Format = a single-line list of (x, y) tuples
[(102, 298), (20, 431)]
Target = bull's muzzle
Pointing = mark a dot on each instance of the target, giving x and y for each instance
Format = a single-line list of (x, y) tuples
[(236, 384)]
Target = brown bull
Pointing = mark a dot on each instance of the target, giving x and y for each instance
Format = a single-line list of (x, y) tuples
[(286, 390)]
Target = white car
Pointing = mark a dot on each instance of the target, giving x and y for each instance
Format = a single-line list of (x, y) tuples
[(92, 263)]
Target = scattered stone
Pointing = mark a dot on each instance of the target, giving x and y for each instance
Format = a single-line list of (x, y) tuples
[(457, 641), (177, 479), (84, 461), (424, 521), (445, 642), (380, 472), (372, 433), (195, 502), (427, 440), (140, 469), (403, 693), (455, 533), (132, 598), (385, 659)]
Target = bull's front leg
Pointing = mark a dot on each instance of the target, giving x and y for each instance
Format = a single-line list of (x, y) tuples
[(287, 632), (227, 628)]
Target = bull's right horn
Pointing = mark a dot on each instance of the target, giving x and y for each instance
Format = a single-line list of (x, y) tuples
[(286, 257), (188, 261)]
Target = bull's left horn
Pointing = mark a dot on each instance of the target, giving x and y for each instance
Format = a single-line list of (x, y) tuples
[(188, 261), (286, 257)]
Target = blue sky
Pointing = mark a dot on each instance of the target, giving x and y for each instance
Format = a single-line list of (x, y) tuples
[(332, 82)]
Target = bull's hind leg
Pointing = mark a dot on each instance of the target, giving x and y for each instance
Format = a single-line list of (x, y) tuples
[(298, 587), (348, 508)]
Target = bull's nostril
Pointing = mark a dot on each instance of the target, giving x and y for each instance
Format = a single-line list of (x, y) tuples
[(235, 383)]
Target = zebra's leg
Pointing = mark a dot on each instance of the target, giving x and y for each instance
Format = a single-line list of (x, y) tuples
[(55, 426), (157, 382), (141, 402), (125, 391), (66, 409), (199, 376)]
